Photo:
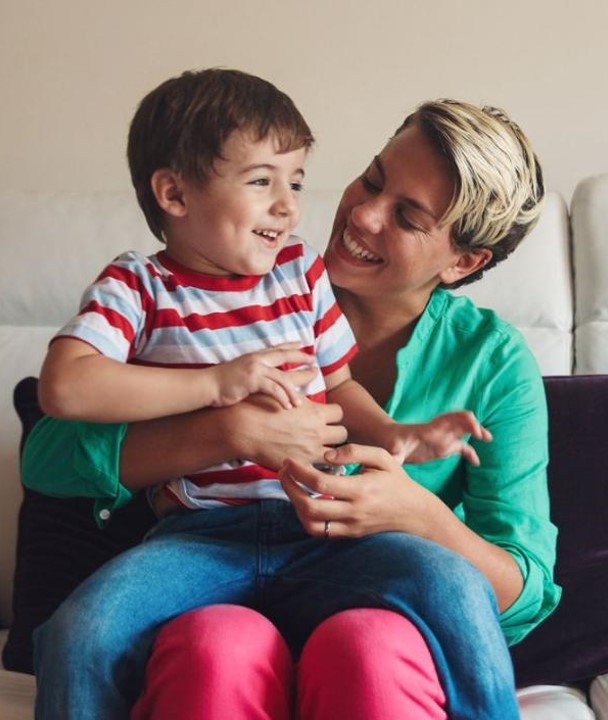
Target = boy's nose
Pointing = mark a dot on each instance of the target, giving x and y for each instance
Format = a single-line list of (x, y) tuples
[(285, 203)]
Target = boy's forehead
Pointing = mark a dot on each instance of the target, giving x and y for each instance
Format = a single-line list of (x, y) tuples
[(242, 147)]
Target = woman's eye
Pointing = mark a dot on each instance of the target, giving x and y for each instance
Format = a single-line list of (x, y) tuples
[(297, 186), (404, 222), (370, 186)]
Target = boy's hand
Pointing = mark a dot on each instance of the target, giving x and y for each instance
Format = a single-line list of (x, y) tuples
[(442, 436), (258, 372)]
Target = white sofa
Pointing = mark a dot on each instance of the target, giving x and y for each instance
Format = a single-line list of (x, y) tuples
[(553, 289)]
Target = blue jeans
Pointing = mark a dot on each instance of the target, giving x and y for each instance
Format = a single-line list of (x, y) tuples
[(90, 655)]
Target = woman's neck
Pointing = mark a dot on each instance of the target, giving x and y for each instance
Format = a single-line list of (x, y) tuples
[(375, 321), (381, 329)]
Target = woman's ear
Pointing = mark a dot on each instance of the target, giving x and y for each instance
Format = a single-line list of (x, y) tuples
[(167, 187), (468, 262)]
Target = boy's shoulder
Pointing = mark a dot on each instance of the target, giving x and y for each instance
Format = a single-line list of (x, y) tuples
[(296, 249), (134, 258), (133, 268)]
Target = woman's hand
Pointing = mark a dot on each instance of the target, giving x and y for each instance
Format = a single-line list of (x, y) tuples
[(267, 434), (384, 498), (381, 498)]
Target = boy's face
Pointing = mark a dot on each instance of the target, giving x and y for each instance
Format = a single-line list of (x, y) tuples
[(239, 220)]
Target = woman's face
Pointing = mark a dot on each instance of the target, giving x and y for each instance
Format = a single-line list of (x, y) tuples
[(386, 240)]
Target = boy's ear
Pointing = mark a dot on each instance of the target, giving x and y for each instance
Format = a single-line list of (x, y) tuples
[(166, 185), (468, 262)]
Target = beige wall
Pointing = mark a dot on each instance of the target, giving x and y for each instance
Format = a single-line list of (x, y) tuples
[(71, 72)]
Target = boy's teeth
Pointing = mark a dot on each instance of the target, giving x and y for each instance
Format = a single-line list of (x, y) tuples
[(268, 233), (357, 250)]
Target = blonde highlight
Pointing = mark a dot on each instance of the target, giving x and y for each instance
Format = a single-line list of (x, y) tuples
[(498, 180)]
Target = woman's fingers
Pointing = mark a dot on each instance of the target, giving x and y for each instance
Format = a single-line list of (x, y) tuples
[(367, 455), (320, 514), (320, 498), (296, 476)]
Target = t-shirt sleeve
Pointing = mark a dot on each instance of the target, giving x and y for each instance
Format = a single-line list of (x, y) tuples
[(335, 343), (506, 498), (114, 309)]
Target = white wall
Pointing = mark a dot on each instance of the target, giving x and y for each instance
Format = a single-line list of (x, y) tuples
[(72, 71)]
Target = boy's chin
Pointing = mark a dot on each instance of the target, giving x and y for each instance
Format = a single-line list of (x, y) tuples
[(257, 268)]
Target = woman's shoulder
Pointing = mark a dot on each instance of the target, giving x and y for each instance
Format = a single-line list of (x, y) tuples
[(473, 329), (462, 315)]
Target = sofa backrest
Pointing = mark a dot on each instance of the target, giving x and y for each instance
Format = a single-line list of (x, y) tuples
[(590, 257), (54, 244)]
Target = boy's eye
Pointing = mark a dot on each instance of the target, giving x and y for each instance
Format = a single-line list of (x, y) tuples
[(261, 182), (297, 186)]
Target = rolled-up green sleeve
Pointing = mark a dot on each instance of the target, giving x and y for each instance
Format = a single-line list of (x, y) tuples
[(69, 458), (537, 600), (506, 500)]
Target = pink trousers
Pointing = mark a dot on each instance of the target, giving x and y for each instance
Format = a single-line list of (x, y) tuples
[(227, 661)]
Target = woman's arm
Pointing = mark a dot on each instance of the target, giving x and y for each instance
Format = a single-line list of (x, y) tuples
[(384, 498), (108, 462), (257, 429)]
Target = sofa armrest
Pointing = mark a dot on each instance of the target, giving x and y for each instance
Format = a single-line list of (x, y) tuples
[(572, 644)]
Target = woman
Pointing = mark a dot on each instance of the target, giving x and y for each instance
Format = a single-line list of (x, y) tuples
[(451, 194)]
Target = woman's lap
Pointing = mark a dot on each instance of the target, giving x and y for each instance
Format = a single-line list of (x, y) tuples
[(260, 557)]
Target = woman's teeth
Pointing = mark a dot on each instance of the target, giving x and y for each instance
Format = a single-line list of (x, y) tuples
[(357, 251)]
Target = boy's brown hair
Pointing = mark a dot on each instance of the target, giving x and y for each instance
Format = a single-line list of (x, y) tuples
[(184, 122)]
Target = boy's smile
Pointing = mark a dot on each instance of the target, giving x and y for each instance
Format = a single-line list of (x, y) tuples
[(240, 218)]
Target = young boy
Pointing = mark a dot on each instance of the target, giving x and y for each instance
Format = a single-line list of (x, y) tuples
[(233, 305)]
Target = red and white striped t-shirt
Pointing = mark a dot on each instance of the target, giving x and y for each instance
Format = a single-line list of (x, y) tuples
[(152, 311)]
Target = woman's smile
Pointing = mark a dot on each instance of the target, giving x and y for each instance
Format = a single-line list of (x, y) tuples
[(357, 249)]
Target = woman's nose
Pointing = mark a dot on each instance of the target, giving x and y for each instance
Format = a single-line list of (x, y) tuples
[(367, 215)]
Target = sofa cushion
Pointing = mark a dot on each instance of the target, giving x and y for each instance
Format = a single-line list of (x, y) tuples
[(572, 644), (58, 545)]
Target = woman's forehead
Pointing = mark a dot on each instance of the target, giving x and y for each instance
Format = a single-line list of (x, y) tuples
[(413, 168)]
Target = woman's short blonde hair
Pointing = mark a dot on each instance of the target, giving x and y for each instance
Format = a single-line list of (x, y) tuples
[(498, 180)]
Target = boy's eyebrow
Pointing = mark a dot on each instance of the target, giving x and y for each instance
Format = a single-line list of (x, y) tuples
[(268, 166), (412, 202)]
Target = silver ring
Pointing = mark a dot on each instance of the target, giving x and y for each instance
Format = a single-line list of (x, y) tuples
[(327, 528)]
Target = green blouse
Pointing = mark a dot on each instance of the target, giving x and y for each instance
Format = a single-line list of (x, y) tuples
[(463, 357)]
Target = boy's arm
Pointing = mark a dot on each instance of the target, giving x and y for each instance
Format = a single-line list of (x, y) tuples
[(364, 419), (79, 383), (366, 422)]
